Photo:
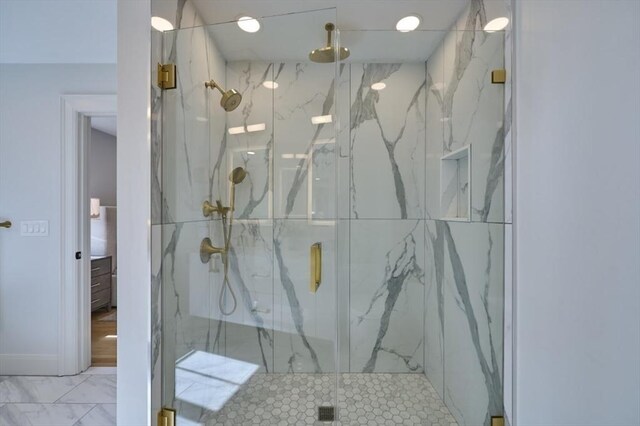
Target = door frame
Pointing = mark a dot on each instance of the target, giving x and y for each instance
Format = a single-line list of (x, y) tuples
[(74, 337)]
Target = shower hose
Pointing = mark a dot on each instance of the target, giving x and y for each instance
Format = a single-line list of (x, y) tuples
[(226, 285)]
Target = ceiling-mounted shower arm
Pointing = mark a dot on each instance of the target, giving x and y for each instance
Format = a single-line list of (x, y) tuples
[(327, 54), (329, 27)]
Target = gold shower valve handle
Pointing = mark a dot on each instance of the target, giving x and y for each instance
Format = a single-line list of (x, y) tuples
[(207, 249), (5, 224)]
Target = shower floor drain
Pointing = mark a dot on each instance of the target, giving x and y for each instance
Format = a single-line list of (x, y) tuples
[(326, 414)]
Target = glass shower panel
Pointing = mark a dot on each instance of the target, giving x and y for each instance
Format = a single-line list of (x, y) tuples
[(421, 194), (392, 163), (245, 338)]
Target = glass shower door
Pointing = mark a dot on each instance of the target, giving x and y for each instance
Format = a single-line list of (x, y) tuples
[(248, 224)]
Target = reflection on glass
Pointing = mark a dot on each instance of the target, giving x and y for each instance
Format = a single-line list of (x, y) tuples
[(208, 381)]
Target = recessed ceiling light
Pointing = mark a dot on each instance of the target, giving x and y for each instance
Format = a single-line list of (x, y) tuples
[(496, 24), (161, 24), (251, 153), (378, 86), (248, 24), (408, 23), (270, 84)]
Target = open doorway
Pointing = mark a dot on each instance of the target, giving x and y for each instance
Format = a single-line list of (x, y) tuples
[(101, 174)]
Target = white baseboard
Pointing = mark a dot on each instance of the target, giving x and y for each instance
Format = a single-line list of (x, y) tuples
[(28, 365)]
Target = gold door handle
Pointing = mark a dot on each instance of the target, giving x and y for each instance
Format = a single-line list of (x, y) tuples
[(5, 224), (315, 263)]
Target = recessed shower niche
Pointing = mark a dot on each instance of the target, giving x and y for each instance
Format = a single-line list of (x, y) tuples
[(455, 185)]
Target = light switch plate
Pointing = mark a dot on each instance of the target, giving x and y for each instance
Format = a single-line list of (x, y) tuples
[(34, 228)]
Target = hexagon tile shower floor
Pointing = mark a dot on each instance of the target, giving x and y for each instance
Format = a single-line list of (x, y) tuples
[(365, 399)]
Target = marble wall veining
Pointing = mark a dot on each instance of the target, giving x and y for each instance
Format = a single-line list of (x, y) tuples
[(407, 291), (465, 260), (387, 141)]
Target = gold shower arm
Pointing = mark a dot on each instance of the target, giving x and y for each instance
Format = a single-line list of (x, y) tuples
[(212, 84), (329, 27), (5, 224)]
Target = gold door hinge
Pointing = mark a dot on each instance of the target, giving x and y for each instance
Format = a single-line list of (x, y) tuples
[(167, 76), (498, 76), (315, 263), (497, 421), (167, 417)]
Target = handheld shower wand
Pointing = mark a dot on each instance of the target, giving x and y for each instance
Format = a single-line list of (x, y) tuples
[(207, 249)]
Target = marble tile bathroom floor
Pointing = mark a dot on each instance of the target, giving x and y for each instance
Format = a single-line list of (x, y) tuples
[(363, 399), (87, 399)]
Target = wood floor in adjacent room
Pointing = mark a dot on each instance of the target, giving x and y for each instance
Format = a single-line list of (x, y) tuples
[(103, 340)]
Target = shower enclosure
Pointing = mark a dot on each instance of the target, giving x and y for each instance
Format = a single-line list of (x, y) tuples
[(332, 248)]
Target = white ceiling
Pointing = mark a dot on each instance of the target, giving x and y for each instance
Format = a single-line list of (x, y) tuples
[(85, 31), (106, 125), (367, 27), (352, 14), (58, 31)]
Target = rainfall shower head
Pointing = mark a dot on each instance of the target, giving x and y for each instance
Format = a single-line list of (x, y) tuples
[(327, 54), (230, 99), (237, 175)]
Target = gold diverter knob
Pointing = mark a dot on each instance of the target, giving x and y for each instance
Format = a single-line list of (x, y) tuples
[(207, 249), (5, 224), (208, 209)]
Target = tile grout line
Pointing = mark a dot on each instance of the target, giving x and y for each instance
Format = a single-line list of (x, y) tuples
[(71, 390), (86, 414)]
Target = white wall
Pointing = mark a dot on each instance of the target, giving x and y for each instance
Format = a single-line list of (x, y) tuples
[(60, 31), (577, 212), (134, 204), (102, 168), (30, 151)]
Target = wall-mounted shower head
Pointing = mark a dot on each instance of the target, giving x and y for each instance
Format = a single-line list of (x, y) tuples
[(230, 99), (237, 175), (327, 54)]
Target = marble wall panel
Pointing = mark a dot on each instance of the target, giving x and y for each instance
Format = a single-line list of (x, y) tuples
[(434, 306), (387, 141), (305, 141), (305, 322), (249, 329), (193, 124), (250, 138), (435, 123), (474, 296), (387, 296), (189, 305)]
